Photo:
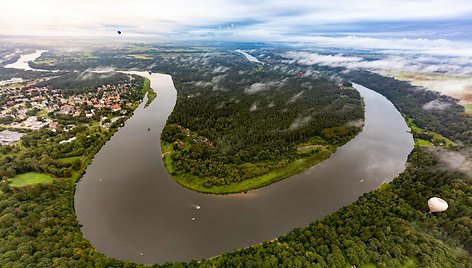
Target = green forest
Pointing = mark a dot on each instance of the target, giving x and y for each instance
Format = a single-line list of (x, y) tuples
[(451, 122), (254, 126), (389, 227)]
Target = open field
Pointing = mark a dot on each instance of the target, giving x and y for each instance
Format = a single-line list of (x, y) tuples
[(435, 138), (69, 160), (30, 178), (141, 56), (459, 87)]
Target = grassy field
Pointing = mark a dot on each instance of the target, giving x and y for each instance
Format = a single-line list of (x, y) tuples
[(197, 184), (468, 108), (151, 94), (141, 56), (436, 139), (30, 178), (15, 85), (69, 160)]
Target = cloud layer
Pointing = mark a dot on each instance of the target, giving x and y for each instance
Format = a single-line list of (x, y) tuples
[(231, 18), (400, 61)]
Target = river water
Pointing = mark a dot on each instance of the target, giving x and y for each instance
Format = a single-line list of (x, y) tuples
[(22, 62), (138, 213), (131, 209)]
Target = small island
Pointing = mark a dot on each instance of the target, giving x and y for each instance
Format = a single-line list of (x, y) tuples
[(236, 127)]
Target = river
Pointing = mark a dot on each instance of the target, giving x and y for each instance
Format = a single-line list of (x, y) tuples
[(138, 213), (22, 62), (131, 209), (249, 57)]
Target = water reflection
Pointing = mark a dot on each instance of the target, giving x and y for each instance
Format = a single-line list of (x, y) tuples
[(139, 213)]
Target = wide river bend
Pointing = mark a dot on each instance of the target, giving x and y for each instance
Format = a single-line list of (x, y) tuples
[(131, 209)]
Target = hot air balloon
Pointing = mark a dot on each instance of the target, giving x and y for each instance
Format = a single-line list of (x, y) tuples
[(437, 204), (119, 32)]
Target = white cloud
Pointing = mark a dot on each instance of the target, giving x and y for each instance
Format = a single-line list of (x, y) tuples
[(436, 105), (355, 123), (307, 58), (300, 122), (253, 107), (221, 69), (296, 96), (217, 79), (203, 84), (258, 87), (160, 18), (454, 160), (400, 62), (389, 45)]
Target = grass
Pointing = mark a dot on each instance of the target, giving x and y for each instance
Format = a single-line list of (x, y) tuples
[(16, 85), (468, 109), (151, 95), (423, 143), (43, 113), (141, 56), (30, 178), (436, 139), (197, 184), (69, 160)]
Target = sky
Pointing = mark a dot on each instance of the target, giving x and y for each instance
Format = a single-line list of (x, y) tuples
[(436, 26), (267, 18)]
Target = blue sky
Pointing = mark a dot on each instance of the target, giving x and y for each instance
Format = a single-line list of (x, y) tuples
[(360, 23)]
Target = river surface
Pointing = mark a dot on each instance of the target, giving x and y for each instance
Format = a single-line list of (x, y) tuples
[(249, 57), (138, 213), (131, 209), (22, 62)]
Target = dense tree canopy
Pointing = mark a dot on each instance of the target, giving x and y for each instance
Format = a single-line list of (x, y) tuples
[(389, 227), (244, 121)]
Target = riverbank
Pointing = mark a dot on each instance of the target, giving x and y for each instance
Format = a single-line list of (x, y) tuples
[(232, 141), (198, 184), (87, 160), (138, 208), (151, 95)]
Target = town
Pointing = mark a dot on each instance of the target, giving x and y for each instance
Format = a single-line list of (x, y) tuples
[(25, 106)]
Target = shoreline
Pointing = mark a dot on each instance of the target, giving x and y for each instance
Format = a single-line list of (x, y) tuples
[(261, 181), (297, 166)]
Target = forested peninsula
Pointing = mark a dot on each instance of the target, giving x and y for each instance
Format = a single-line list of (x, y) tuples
[(231, 132)]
